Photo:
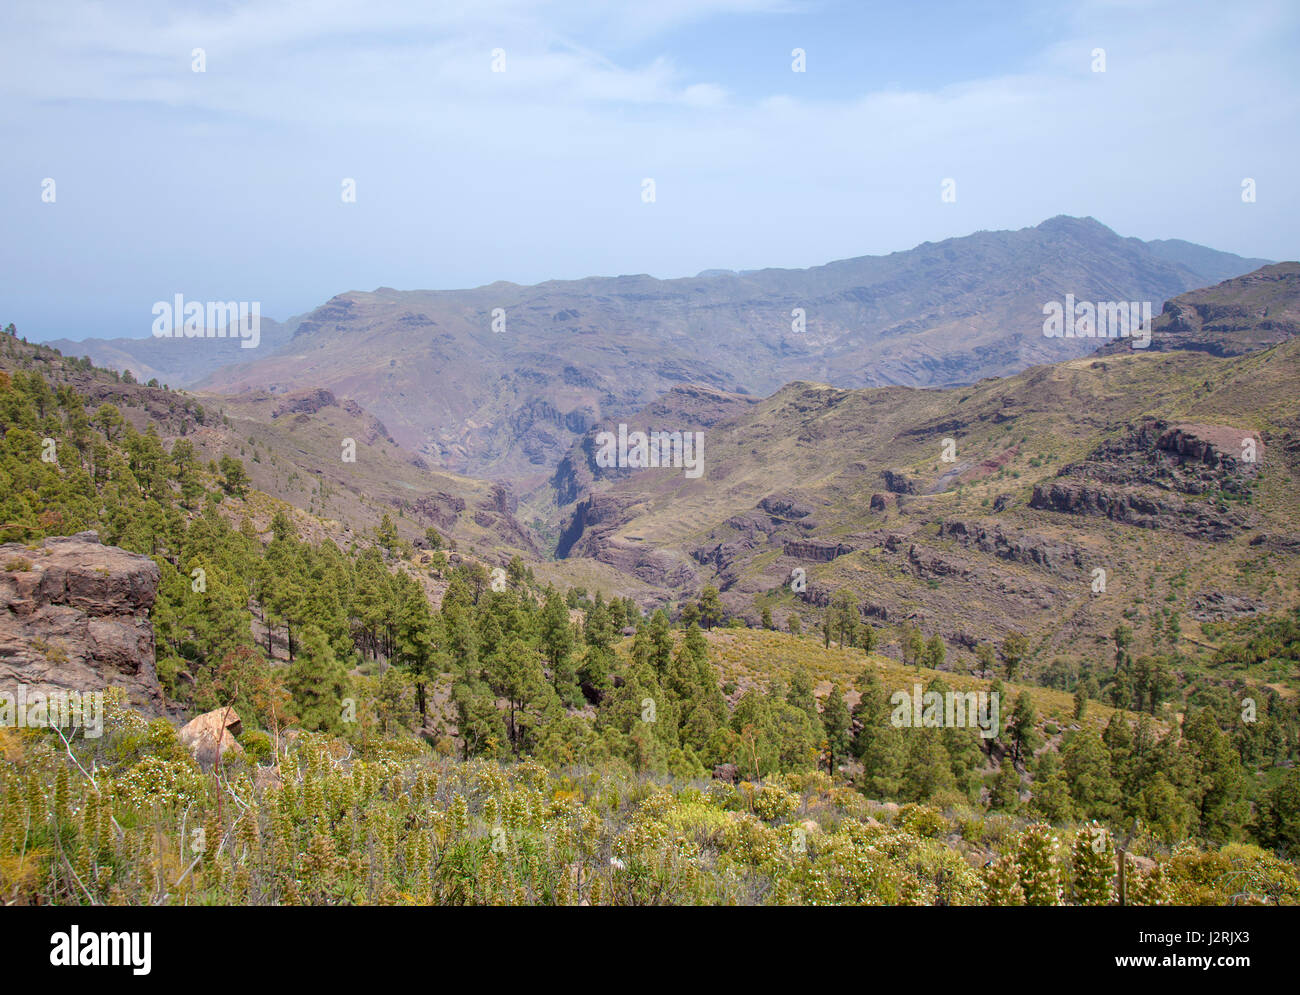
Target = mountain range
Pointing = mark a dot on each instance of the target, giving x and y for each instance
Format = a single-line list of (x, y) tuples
[(501, 380)]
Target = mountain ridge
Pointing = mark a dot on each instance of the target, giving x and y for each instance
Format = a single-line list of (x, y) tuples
[(504, 404)]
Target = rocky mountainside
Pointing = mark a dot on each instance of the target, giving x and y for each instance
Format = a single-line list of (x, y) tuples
[(1237, 316), (295, 448), (74, 616), (500, 380), (990, 508)]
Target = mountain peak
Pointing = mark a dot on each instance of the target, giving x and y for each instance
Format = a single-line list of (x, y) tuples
[(1068, 224)]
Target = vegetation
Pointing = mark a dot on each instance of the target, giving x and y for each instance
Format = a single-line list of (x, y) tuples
[(505, 743)]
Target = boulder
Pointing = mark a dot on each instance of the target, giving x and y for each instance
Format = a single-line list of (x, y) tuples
[(212, 734)]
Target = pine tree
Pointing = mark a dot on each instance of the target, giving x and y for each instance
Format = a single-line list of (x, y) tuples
[(986, 656), (842, 618), (800, 693), (1279, 814), (1014, 648), (318, 683), (598, 656), (557, 645), (712, 613), (1024, 736), (515, 673), (871, 713), (1006, 789), (936, 652), (835, 722), (1219, 785), (479, 723), (1080, 703), (1050, 799), (913, 646), (928, 768), (1123, 638), (1088, 772), (416, 638), (234, 478), (386, 534)]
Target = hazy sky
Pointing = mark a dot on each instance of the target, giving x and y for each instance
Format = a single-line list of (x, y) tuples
[(226, 184)]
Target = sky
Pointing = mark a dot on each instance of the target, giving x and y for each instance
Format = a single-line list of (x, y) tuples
[(511, 140)]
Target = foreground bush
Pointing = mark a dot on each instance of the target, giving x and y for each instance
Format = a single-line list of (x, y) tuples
[(131, 819)]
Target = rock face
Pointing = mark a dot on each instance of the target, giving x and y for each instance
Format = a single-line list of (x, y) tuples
[(820, 550), (1026, 548), (1199, 521), (1188, 459), (74, 616)]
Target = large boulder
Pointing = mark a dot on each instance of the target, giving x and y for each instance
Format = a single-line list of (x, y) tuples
[(212, 734)]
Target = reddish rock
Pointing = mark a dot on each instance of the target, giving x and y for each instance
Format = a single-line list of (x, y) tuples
[(211, 734), (74, 616)]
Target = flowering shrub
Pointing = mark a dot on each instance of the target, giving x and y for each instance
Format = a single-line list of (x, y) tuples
[(329, 825)]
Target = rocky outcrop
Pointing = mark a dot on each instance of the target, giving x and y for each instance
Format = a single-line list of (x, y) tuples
[(1221, 446), (440, 509), (725, 559), (1215, 606), (1161, 476), (898, 482), (1245, 314), (1278, 543), (928, 563), (592, 532), (1190, 459), (1026, 548), (305, 402), (74, 616), (782, 506), (592, 518), (1200, 521), (820, 550)]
